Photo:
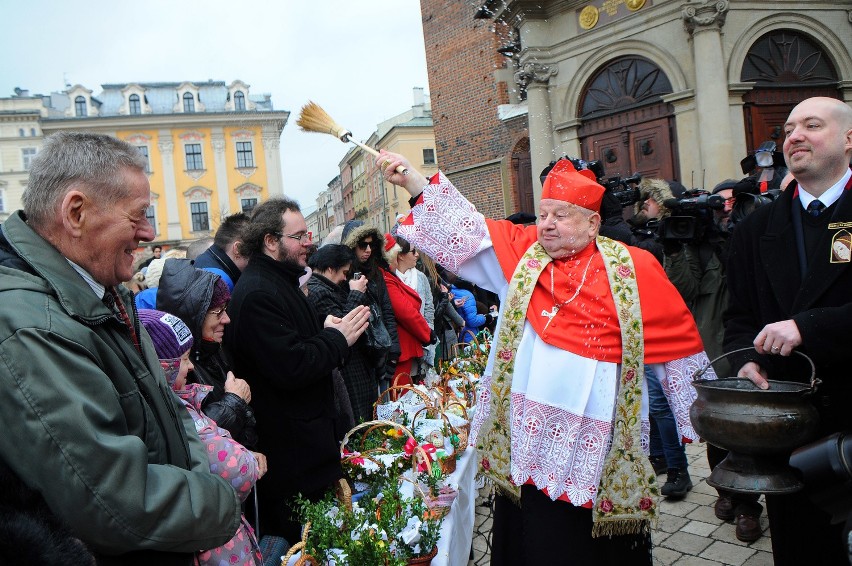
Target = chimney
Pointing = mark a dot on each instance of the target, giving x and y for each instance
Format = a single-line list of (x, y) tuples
[(418, 96)]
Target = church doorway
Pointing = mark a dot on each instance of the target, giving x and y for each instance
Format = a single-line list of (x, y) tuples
[(626, 125)]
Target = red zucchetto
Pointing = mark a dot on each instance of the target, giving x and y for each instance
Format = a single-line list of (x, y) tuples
[(565, 183)]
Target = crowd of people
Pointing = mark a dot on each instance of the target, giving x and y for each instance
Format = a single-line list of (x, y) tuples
[(144, 401)]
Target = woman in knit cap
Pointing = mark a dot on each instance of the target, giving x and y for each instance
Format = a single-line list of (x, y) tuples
[(411, 326), (200, 298), (229, 459), (367, 243)]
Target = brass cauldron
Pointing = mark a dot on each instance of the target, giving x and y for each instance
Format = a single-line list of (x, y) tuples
[(759, 428)]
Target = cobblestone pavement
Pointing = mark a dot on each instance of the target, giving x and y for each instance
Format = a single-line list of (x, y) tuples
[(688, 533)]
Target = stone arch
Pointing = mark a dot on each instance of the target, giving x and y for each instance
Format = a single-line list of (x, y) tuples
[(815, 30), (523, 197), (622, 83), (623, 119), (574, 89)]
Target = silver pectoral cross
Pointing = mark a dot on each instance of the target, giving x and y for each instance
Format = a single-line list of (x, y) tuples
[(550, 315)]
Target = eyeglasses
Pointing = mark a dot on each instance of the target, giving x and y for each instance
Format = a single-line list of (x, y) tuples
[(297, 237), (218, 312), (364, 245)]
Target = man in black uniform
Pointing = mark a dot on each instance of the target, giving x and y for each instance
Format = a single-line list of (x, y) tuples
[(789, 278)]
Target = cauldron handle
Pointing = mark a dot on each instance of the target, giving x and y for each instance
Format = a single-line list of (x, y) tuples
[(814, 380)]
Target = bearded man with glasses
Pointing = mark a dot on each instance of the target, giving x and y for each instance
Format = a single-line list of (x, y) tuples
[(287, 354)]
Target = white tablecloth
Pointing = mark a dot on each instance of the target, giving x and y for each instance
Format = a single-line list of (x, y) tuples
[(457, 529)]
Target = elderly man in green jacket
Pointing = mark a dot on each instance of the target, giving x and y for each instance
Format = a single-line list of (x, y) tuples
[(89, 425)]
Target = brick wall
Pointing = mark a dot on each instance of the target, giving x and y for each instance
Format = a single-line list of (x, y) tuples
[(461, 58)]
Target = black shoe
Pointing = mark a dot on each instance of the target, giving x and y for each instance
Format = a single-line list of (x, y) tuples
[(659, 464), (677, 484)]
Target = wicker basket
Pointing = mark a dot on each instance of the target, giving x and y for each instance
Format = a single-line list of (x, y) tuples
[(441, 504), (423, 560), (448, 464), (463, 431), (304, 559), (420, 455), (467, 400), (394, 392)]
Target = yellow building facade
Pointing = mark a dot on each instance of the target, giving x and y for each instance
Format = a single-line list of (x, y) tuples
[(212, 148)]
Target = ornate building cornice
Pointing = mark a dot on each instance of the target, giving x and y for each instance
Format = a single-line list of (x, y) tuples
[(531, 74), (217, 140), (165, 145), (699, 15)]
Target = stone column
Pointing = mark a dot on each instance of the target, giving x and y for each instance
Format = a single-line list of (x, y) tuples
[(167, 148), (223, 195), (270, 138), (535, 78), (703, 21)]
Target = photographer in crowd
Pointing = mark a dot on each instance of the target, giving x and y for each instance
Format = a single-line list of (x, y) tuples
[(667, 453), (695, 240)]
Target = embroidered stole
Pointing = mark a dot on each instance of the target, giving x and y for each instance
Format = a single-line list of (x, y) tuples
[(626, 499)]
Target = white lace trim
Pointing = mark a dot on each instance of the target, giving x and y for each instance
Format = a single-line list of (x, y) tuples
[(483, 407), (446, 226), (560, 451), (677, 385), (563, 452)]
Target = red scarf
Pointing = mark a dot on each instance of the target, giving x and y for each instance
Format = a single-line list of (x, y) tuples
[(588, 325)]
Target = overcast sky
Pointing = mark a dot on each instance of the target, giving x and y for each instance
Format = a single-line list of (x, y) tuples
[(358, 59)]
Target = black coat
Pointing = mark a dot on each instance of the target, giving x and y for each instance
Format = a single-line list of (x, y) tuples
[(766, 286), (353, 232), (277, 341), (361, 383)]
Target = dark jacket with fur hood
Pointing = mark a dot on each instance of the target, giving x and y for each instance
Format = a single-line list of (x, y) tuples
[(353, 232), (186, 292)]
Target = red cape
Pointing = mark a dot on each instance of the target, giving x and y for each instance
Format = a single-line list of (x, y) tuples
[(588, 326)]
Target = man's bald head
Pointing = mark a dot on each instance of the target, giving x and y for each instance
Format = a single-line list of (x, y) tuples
[(818, 142)]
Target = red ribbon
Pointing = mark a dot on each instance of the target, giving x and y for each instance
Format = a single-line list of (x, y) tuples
[(428, 448), (356, 460)]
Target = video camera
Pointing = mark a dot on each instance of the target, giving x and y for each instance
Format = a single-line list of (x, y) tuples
[(692, 214), (624, 190), (748, 196)]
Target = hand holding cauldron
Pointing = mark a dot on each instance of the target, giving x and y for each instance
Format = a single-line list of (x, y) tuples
[(778, 338), (755, 373)]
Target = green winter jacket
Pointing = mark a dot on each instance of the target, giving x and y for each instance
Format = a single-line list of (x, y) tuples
[(90, 425)]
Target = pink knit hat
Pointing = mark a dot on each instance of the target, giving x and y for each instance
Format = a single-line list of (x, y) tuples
[(221, 294)]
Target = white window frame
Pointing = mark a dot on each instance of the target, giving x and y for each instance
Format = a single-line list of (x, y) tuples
[(27, 158), (153, 209), (186, 155), (206, 204)]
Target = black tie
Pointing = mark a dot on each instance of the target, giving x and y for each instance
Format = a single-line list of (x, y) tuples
[(815, 208)]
